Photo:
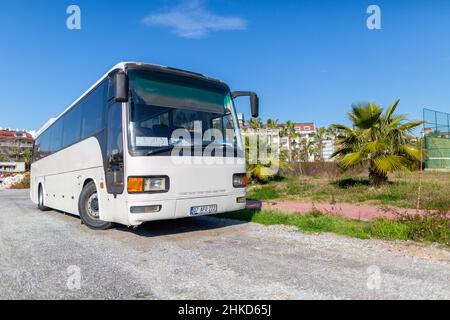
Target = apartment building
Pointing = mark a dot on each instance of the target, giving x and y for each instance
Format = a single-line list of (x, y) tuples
[(305, 131), (328, 149), (12, 167), (13, 143)]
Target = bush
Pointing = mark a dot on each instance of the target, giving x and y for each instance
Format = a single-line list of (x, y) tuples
[(24, 184), (430, 227), (389, 229)]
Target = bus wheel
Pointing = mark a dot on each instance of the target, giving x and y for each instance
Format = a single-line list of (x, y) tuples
[(41, 198), (89, 209)]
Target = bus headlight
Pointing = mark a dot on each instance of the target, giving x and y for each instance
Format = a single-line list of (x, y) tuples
[(155, 184), (240, 180)]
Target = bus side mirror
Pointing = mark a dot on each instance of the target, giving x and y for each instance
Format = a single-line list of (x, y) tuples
[(121, 81), (254, 100)]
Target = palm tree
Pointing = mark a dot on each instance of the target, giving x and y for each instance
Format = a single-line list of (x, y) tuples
[(255, 124), (304, 150), (27, 156), (378, 141), (259, 171), (319, 136), (288, 130), (272, 124)]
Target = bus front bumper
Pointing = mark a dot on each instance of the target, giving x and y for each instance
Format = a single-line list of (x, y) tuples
[(181, 208)]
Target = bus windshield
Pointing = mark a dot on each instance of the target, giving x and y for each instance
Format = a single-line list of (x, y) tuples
[(168, 111)]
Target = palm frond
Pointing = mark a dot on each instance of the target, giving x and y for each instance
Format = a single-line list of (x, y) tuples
[(390, 111), (389, 163), (341, 127), (373, 147), (365, 116), (410, 125), (351, 160), (341, 152), (412, 152), (396, 120)]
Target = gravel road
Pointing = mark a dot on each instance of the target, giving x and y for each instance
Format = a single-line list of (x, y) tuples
[(50, 255)]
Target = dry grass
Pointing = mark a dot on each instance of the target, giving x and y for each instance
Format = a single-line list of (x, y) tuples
[(401, 191)]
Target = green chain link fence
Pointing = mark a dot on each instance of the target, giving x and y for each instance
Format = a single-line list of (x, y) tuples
[(437, 139)]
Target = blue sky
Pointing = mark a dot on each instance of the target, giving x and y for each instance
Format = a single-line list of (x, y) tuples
[(308, 60)]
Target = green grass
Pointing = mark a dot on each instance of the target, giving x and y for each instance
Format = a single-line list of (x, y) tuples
[(388, 197), (312, 222), (430, 229), (389, 229), (264, 193)]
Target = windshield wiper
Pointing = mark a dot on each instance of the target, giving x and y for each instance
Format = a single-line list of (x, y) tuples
[(203, 147), (160, 150)]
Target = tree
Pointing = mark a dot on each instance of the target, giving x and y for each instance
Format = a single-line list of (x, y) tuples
[(261, 171), (319, 136), (27, 157), (304, 149), (378, 141), (288, 130), (272, 124), (17, 153), (255, 124)]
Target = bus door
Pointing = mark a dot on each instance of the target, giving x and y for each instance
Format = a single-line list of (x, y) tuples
[(114, 150)]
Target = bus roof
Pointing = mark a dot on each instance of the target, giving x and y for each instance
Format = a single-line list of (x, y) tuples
[(125, 66)]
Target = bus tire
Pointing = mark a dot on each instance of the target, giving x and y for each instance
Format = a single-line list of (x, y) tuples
[(41, 199), (88, 207)]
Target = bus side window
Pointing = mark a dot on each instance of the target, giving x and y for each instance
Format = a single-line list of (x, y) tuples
[(37, 150), (93, 112)]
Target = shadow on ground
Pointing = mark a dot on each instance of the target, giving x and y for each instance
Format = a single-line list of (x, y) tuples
[(350, 182), (170, 227), (180, 226)]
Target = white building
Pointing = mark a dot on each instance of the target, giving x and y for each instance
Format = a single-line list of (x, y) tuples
[(328, 150), (14, 167)]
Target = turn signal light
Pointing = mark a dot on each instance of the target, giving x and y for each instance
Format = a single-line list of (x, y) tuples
[(240, 180), (135, 185), (151, 184)]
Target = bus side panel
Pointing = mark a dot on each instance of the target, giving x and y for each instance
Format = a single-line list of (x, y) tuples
[(64, 173), (33, 187), (113, 208), (35, 180)]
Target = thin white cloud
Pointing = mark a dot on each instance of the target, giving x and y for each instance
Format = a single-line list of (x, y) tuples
[(191, 19)]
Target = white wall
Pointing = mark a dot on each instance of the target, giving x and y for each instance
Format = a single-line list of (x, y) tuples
[(12, 166)]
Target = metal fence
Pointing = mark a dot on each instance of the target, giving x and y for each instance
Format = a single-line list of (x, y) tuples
[(437, 139)]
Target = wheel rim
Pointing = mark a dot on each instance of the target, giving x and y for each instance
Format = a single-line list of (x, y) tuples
[(92, 206)]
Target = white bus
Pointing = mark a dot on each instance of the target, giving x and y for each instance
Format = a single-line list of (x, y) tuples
[(141, 145)]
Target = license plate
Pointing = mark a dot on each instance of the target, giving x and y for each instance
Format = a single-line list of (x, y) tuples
[(202, 210)]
